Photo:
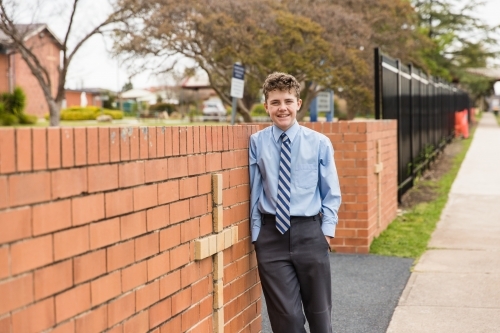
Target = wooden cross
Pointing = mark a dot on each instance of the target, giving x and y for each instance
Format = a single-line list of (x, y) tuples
[(213, 245)]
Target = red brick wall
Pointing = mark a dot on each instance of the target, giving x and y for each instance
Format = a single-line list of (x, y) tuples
[(355, 146), (97, 229), (73, 98), (97, 225), (4, 73), (48, 53)]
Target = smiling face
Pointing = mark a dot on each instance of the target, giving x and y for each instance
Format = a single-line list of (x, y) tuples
[(282, 107)]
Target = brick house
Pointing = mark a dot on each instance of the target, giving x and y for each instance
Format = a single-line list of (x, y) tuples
[(15, 72), (93, 97)]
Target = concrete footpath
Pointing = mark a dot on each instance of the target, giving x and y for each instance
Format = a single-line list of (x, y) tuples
[(455, 286)]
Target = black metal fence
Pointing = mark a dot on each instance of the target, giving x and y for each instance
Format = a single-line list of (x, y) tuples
[(425, 108)]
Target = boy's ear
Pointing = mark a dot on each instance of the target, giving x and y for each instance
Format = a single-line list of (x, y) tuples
[(265, 106), (299, 103)]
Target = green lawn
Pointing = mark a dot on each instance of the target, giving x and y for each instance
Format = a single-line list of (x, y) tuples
[(408, 235)]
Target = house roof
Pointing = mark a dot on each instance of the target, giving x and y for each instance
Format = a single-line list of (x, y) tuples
[(28, 31)]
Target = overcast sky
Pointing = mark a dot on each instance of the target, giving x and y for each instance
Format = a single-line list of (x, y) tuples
[(93, 67)]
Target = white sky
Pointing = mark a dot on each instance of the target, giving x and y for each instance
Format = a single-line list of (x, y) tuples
[(93, 66)]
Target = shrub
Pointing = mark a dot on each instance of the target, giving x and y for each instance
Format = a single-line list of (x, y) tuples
[(7, 119), (88, 113), (162, 107), (27, 119), (258, 110)]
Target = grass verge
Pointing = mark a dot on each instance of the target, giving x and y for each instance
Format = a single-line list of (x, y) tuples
[(408, 235)]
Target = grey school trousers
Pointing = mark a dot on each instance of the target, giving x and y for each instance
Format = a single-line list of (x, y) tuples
[(294, 270)]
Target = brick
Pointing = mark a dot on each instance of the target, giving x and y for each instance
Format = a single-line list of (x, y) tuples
[(190, 230), (168, 192), (179, 211), (30, 188), (43, 311), (158, 265), (182, 140), (152, 142), (170, 237), (30, 254), (51, 217), (188, 187), (103, 144), (67, 148), (201, 289), (168, 141), (103, 178), (181, 301), (7, 150), (203, 144), (121, 308), (4, 192), (206, 307), (146, 246), (80, 146), (104, 233), (134, 143), (114, 144), (71, 242), (53, 279), (4, 262), (173, 325), (179, 256), (92, 145), (125, 134), (189, 274), (16, 293), (119, 202), (134, 276), (208, 138), (204, 184), (54, 148), (138, 323), (177, 167), (206, 226), (89, 266), (87, 209), (15, 224), (213, 162), (69, 182), (144, 142), (196, 164), (190, 318), (160, 141), (131, 174), (156, 170), (145, 197), (160, 312), (72, 302), (158, 217), (170, 284), (23, 149), (105, 288), (196, 139), (198, 206), (133, 225), (120, 255), (93, 322), (189, 141), (67, 327), (147, 295)]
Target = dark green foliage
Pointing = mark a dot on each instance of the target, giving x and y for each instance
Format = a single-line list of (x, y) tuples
[(12, 109), (160, 107), (258, 110)]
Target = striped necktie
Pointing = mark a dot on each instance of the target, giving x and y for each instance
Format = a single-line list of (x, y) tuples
[(283, 203)]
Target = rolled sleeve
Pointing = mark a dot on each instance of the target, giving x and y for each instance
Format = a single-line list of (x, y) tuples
[(329, 189), (255, 190)]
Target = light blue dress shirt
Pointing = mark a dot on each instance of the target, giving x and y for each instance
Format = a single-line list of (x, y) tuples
[(315, 183)]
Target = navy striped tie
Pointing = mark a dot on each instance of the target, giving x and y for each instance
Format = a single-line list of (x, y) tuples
[(283, 204)]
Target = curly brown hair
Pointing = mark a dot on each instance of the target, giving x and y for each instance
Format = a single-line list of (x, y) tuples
[(282, 82)]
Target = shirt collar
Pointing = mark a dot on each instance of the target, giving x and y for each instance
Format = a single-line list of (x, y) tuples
[(291, 132)]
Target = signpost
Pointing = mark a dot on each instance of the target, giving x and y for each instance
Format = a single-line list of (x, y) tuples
[(322, 103), (237, 86)]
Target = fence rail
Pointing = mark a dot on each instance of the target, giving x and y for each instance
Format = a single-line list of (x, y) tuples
[(425, 108)]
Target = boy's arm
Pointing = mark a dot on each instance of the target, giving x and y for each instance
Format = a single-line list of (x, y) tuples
[(255, 190), (329, 188)]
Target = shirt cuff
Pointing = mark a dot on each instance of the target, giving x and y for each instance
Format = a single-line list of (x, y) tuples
[(328, 228)]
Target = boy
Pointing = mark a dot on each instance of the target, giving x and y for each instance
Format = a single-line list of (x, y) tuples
[(295, 197)]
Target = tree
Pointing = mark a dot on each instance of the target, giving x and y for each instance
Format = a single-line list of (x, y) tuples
[(11, 12)]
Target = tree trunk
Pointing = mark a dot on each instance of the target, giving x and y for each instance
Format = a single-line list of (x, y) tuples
[(306, 103), (242, 109), (55, 110)]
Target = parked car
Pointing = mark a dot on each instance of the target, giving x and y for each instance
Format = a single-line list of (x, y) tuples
[(214, 107)]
